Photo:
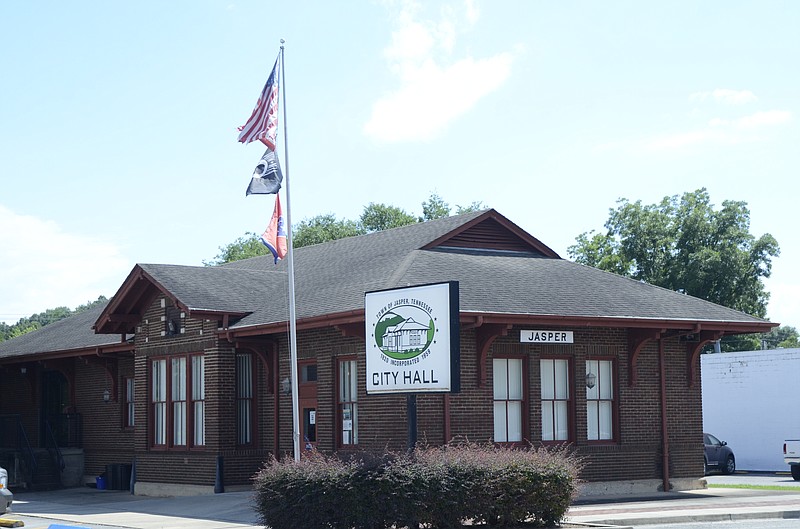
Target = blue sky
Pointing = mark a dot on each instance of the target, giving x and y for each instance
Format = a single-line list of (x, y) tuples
[(118, 122)]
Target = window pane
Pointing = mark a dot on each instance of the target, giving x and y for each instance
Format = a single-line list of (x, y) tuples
[(514, 421), (159, 380), (592, 427), (199, 423), (591, 367), (160, 423), (500, 422), (198, 378), (179, 423), (308, 373), (500, 370), (129, 401), (560, 416), (515, 378), (604, 420), (561, 378), (179, 379), (548, 380), (548, 428), (243, 422), (604, 379)]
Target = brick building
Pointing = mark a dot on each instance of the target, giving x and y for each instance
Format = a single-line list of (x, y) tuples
[(185, 371)]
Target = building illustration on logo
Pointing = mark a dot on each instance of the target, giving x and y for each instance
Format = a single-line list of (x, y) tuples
[(406, 336), (404, 332)]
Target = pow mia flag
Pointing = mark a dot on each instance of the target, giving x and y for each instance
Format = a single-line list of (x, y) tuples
[(267, 176)]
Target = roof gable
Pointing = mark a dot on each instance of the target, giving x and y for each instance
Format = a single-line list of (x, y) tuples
[(491, 232)]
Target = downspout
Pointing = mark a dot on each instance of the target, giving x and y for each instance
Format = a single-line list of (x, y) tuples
[(276, 390), (662, 364)]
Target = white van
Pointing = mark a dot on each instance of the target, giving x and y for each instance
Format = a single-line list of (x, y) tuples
[(5, 495)]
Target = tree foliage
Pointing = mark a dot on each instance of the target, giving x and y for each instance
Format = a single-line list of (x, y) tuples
[(684, 244), (247, 246), (379, 217), (324, 228), (783, 337), (37, 321)]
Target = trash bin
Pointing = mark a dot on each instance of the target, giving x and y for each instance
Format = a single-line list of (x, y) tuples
[(119, 476), (101, 483)]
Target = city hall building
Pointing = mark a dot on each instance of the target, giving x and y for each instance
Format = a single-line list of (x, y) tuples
[(182, 378)]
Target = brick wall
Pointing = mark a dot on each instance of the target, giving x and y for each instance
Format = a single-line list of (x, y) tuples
[(635, 453)]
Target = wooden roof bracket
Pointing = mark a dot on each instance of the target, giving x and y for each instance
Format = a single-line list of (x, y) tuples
[(485, 335), (637, 338), (693, 350), (354, 330)]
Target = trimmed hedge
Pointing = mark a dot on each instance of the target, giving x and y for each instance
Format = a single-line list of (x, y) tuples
[(438, 487)]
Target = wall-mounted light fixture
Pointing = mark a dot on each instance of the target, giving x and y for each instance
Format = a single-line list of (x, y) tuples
[(106, 396), (286, 386), (23, 370), (591, 378)]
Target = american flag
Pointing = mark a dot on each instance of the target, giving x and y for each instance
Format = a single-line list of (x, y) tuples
[(263, 124)]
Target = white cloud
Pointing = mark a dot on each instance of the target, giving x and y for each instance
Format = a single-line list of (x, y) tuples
[(44, 267), (723, 131), (725, 96), (433, 89)]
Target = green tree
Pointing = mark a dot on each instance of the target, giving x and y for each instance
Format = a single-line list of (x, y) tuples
[(783, 337), (39, 320), (475, 206), (684, 244), (379, 217), (246, 246), (434, 208), (323, 228)]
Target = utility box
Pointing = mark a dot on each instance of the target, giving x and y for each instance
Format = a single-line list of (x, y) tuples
[(118, 476)]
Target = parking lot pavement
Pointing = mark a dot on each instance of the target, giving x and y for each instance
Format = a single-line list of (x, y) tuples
[(91, 507)]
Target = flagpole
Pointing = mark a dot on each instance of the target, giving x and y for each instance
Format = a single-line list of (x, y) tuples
[(290, 264)]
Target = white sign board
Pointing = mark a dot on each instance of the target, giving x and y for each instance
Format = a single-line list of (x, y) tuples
[(537, 336), (413, 339)]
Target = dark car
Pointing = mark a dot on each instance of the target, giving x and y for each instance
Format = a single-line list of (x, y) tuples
[(717, 455)]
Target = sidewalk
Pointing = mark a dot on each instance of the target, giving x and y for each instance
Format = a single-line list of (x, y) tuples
[(233, 510), (715, 504)]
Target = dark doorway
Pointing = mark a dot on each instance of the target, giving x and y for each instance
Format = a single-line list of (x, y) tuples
[(55, 402)]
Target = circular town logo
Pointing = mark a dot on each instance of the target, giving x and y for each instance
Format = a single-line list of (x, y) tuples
[(405, 329)]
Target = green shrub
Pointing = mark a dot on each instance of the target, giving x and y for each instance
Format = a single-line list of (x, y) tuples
[(438, 487)]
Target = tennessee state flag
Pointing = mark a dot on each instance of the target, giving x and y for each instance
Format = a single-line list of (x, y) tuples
[(274, 237)]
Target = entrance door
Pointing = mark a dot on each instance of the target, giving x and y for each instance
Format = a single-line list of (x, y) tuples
[(55, 398), (308, 405)]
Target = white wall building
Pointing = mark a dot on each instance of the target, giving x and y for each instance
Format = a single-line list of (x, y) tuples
[(751, 400)]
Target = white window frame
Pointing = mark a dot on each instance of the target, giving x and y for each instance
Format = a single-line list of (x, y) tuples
[(556, 402), (508, 383), (600, 402), (347, 397)]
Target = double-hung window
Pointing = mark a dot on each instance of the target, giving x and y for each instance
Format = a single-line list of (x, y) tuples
[(178, 401), (244, 399), (509, 402), (599, 400), (348, 402), (199, 399), (130, 397), (556, 405)]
